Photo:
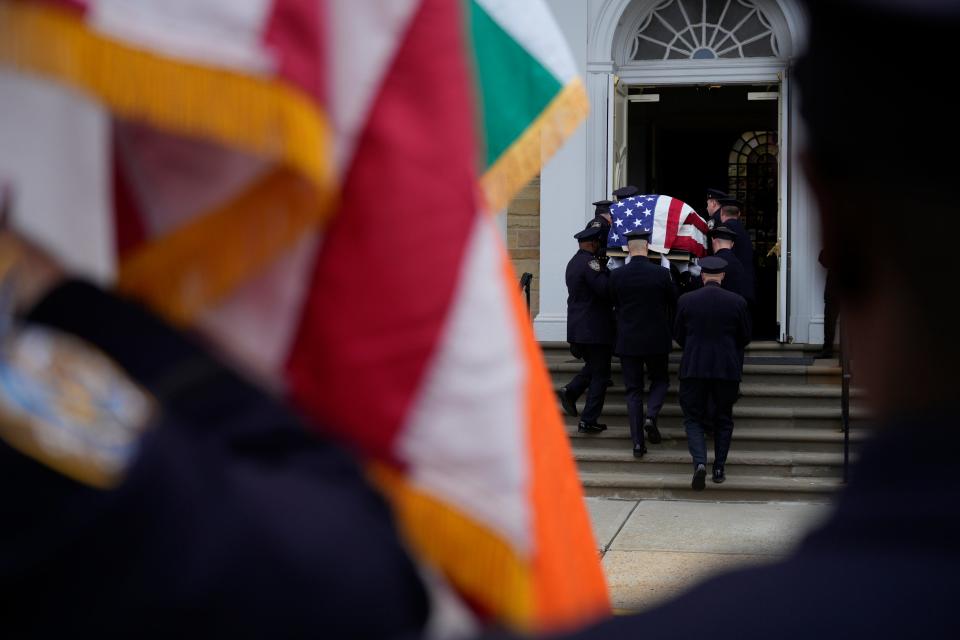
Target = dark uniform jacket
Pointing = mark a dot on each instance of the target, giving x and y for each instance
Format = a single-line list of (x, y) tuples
[(743, 249), (644, 298), (713, 327), (231, 521), (589, 312), (734, 278)]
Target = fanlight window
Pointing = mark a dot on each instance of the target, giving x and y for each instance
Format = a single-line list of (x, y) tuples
[(704, 30)]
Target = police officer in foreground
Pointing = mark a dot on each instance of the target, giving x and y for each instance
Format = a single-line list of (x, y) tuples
[(643, 297), (713, 327), (723, 239), (150, 491), (590, 328)]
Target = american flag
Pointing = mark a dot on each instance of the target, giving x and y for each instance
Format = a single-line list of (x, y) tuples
[(672, 223)]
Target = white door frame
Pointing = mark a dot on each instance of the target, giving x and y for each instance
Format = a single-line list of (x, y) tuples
[(769, 72)]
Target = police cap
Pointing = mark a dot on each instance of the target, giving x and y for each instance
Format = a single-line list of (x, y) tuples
[(637, 234), (716, 194), (723, 233), (591, 231), (713, 264), (727, 201), (602, 206), (626, 192)]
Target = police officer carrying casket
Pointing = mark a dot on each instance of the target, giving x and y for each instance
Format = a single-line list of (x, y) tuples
[(729, 216), (590, 327), (644, 297), (601, 216), (713, 327), (713, 206), (723, 240)]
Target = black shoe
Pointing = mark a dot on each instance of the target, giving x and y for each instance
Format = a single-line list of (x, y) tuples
[(718, 475), (653, 434), (601, 426), (823, 354), (583, 427), (568, 403), (609, 382), (699, 478), (639, 450)]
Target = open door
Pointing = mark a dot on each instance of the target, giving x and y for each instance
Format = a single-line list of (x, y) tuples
[(617, 134), (783, 228)]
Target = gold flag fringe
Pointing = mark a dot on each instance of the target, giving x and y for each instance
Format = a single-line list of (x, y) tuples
[(262, 115), (526, 156)]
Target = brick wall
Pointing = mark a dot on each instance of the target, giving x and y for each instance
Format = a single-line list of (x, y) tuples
[(523, 237)]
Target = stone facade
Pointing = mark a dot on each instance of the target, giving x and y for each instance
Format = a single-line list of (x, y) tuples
[(523, 237)]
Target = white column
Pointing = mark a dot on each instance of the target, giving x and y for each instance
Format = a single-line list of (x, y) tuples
[(563, 193), (806, 275)]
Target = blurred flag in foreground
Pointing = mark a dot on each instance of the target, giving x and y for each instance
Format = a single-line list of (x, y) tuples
[(300, 181)]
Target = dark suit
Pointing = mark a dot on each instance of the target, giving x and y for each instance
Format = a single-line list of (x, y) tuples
[(713, 327), (888, 553), (644, 297), (231, 519), (590, 330), (734, 278)]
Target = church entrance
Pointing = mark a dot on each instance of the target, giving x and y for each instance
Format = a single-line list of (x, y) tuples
[(681, 140)]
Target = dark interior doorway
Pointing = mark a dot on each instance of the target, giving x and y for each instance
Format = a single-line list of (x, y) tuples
[(687, 139)]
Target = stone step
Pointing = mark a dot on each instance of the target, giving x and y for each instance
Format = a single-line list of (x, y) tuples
[(799, 439), (562, 370), (763, 415), (643, 485), (769, 463), (758, 394), (760, 348)]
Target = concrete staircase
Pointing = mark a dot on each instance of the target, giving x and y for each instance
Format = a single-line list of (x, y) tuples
[(787, 438)]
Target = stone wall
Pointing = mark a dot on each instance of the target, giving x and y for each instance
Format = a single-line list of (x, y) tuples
[(523, 237)]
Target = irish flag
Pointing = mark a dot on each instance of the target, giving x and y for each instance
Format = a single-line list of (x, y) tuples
[(308, 184)]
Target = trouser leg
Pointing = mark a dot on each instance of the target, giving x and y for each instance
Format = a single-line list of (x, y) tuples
[(633, 383), (579, 383), (657, 368), (597, 358), (693, 402), (725, 396)]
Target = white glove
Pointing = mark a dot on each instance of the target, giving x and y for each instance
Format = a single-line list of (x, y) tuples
[(664, 262)]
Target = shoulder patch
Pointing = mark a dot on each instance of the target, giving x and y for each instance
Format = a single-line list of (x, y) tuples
[(66, 405), (594, 264)]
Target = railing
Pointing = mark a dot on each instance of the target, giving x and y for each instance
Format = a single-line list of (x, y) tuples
[(525, 281), (846, 374)]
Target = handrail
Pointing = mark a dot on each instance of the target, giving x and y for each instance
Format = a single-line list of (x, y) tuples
[(525, 281), (846, 374)]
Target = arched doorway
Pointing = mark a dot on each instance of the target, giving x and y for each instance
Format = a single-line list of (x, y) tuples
[(685, 80)]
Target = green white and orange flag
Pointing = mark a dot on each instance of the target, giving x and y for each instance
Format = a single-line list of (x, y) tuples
[(531, 97), (299, 180)]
